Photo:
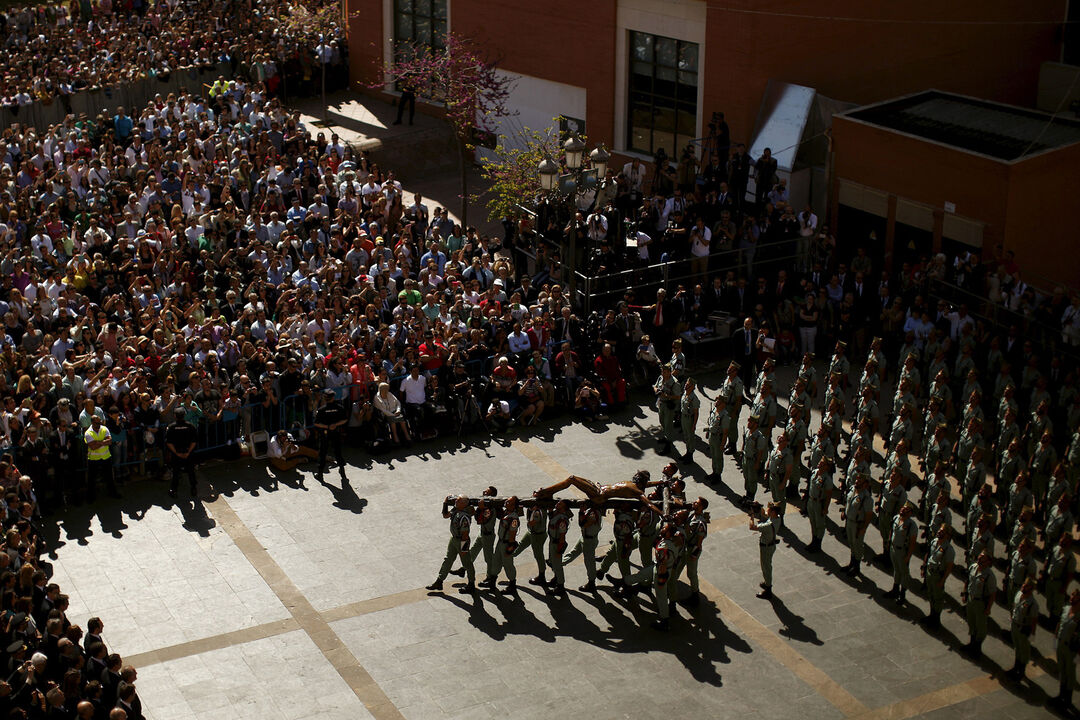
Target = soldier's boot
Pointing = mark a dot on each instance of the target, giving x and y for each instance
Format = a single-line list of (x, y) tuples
[(487, 582), (973, 648), (901, 597), (766, 592), (894, 592), (617, 582), (693, 599), (660, 624), (687, 456), (511, 588), (1016, 672), (460, 572), (437, 585), (589, 587), (814, 546), (540, 579), (557, 588), (467, 588)]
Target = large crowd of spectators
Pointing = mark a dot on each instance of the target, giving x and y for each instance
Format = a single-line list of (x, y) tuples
[(210, 253), (56, 49)]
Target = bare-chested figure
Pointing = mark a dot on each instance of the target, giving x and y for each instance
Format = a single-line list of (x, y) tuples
[(633, 490)]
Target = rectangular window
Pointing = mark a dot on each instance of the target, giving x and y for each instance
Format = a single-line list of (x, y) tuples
[(419, 23), (662, 97)]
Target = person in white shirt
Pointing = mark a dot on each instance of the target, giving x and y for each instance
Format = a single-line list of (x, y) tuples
[(285, 454), (390, 408), (520, 345), (414, 388)]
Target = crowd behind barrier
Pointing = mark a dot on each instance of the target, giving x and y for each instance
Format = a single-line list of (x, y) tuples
[(206, 267)]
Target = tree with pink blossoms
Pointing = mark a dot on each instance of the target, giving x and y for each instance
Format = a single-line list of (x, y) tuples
[(464, 80)]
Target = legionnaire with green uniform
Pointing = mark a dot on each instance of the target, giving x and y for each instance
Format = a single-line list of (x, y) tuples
[(1042, 463), (818, 495), (937, 449), (1024, 527), (1022, 565), (697, 531), (665, 555), (1025, 618), (932, 418), (734, 391), (648, 531), (767, 541), (975, 477), (689, 407), (892, 498), (868, 410), (799, 396), (507, 544), (902, 539), (795, 429), (1007, 432), (1020, 497), (981, 539), (458, 548), (1072, 455), (1038, 425), (667, 402), (978, 598), (717, 430), (1058, 572), (535, 538), (1067, 642), (1009, 468), (937, 566), (834, 391), (840, 365), (766, 409), (486, 519), (857, 513), (1059, 485), (821, 447), (899, 460), (620, 548), (970, 438), (1060, 519), (753, 458), (558, 525), (981, 505), (590, 520), (937, 484), (808, 374), (778, 469)]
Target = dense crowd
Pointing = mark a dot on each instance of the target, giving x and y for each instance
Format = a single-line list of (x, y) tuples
[(53, 50), (208, 257), (52, 667)]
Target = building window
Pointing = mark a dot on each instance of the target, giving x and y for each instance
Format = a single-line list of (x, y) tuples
[(663, 94), (420, 24)]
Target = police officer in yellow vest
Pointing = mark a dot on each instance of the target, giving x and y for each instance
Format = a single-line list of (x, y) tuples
[(98, 458)]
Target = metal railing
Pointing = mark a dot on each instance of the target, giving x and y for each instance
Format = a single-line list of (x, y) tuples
[(603, 290)]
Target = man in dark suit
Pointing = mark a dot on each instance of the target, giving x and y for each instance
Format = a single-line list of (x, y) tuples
[(695, 307), (744, 352), (783, 289), (739, 298), (568, 329)]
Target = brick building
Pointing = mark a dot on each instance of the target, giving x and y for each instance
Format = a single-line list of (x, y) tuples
[(638, 75)]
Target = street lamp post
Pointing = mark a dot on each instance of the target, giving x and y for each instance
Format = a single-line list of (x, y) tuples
[(579, 180)]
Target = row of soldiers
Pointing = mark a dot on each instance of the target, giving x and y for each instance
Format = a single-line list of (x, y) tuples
[(1032, 498), (667, 542)]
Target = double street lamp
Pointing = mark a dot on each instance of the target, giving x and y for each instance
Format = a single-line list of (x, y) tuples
[(578, 181)]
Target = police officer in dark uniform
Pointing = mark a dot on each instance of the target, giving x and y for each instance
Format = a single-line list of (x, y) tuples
[(180, 442), (329, 419)]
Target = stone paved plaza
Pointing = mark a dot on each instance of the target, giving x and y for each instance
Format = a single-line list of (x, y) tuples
[(287, 598)]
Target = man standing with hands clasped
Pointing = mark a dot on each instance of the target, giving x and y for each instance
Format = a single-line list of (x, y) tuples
[(329, 419), (180, 442)]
